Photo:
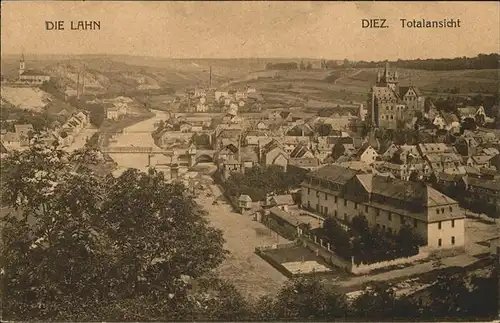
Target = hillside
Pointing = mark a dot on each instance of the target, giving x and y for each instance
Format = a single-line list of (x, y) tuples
[(297, 87)]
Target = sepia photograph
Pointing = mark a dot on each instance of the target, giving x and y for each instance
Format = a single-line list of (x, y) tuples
[(228, 161)]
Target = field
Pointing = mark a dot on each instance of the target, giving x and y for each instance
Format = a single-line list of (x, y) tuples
[(297, 88), (251, 275)]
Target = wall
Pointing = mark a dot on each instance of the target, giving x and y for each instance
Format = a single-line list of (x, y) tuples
[(363, 269), (445, 233), (324, 252)]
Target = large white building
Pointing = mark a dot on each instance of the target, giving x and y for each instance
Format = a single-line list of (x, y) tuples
[(387, 203), (31, 76)]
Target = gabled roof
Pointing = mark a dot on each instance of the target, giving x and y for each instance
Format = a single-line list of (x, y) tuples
[(33, 73), (335, 174), (271, 145), (299, 151), (404, 89), (245, 198), (286, 199), (3, 150)]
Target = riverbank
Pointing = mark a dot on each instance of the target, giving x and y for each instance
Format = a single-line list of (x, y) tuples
[(112, 127)]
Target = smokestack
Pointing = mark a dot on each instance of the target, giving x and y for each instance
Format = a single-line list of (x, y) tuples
[(210, 78), (78, 86)]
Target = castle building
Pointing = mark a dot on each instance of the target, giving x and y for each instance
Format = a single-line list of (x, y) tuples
[(393, 106), (31, 76)]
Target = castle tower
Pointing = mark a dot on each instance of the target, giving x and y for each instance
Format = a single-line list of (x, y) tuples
[(22, 65)]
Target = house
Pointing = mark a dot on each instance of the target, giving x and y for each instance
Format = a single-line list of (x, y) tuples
[(280, 200), (244, 203), (289, 143), (11, 140), (447, 121), (479, 160), (483, 194), (273, 154), (304, 163), (387, 203), (24, 133), (228, 152), (301, 151), (367, 154)]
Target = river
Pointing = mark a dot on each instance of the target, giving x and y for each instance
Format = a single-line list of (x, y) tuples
[(138, 135)]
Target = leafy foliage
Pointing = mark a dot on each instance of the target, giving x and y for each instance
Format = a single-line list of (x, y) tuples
[(257, 181), (369, 245), (87, 247)]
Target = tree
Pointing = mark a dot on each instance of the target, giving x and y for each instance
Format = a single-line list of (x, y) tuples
[(302, 66), (468, 124), (88, 247), (324, 129), (309, 299)]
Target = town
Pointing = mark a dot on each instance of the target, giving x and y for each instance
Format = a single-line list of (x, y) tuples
[(283, 189)]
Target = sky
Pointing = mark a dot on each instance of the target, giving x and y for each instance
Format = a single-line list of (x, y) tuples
[(330, 30)]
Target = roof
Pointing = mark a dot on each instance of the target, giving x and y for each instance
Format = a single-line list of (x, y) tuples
[(3, 150), (245, 198), (484, 183), (299, 151), (10, 137), (288, 217), (404, 89), (23, 127), (482, 159), (304, 162), (283, 199), (366, 180), (271, 145), (449, 118), (335, 174), (33, 73), (384, 93)]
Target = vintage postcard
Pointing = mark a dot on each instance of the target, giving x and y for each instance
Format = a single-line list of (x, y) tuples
[(250, 161)]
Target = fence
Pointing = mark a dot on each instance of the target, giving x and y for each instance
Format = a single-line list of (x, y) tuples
[(324, 250), (365, 268)]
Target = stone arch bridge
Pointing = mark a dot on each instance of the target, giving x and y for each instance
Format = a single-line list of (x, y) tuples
[(199, 156)]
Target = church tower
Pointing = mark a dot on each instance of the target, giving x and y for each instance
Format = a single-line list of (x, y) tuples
[(387, 78), (22, 65)]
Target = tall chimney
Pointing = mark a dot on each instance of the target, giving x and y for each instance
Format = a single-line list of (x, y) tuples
[(210, 78), (78, 86)]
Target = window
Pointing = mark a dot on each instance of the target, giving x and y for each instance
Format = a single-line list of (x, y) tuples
[(345, 202), (452, 240), (326, 197), (437, 211), (317, 207), (326, 210), (335, 213), (451, 209), (355, 206), (439, 242), (442, 210), (389, 216), (452, 223), (308, 204), (366, 208), (439, 225), (335, 199), (309, 191), (415, 223)]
